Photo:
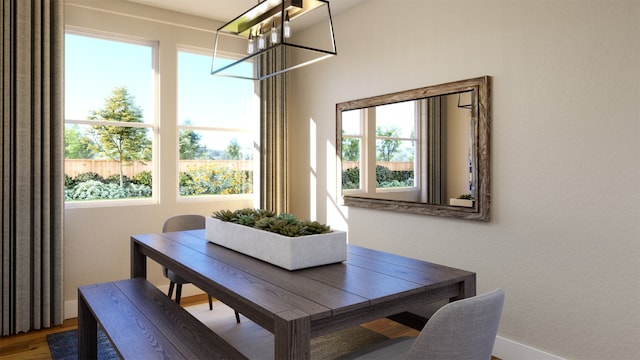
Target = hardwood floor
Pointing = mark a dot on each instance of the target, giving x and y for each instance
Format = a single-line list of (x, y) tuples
[(33, 345)]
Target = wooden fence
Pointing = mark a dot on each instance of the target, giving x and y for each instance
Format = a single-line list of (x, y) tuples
[(106, 168), (391, 165)]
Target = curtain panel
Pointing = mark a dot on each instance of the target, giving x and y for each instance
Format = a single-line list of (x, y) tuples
[(32, 164), (273, 137)]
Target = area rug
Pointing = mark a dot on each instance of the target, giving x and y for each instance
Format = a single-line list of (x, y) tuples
[(63, 345), (332, 346)]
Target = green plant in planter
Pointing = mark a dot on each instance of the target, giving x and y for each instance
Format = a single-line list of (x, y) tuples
[(465, 197), (267, 220)]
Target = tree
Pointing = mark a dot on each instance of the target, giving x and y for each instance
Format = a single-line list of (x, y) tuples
[(120, 143), (387, 147), (76, 145), (189, 142), (350, 148), (233, 151)]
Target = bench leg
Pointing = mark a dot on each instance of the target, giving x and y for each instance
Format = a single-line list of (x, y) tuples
[(87, 331), (178, 292)]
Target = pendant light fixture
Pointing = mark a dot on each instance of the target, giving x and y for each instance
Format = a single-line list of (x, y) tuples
[(274, 32), (251, 46), (261, 42), (277, 36)]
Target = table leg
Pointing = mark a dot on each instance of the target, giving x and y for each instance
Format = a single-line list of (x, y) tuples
[(87, 331), (292, 335), (138, 261), (467, 288)]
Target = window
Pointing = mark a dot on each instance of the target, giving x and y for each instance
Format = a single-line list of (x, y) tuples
[(395, 126), (110, 120), (379, 150), (218, 118), (352, 140)]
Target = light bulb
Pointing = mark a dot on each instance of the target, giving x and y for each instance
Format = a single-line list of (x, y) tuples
[(286, 26), (274, 32), (251, 44), (261, 42)]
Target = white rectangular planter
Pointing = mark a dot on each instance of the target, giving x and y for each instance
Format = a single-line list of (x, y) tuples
[(291, 253), (461, 202)]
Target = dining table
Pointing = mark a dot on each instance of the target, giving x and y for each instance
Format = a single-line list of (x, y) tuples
[(296, 306)]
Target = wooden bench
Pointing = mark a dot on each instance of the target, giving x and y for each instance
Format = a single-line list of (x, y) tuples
[(143, 323)]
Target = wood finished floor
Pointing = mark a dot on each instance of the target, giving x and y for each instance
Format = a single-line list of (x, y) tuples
[(33, 345)]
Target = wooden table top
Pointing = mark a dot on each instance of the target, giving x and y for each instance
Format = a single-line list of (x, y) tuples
[(371, 284)]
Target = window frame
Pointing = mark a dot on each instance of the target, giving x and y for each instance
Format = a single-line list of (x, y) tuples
[(153, 124), (248, 130), (368, 159)]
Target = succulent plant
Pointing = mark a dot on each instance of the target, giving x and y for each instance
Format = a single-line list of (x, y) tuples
[(245, 219), (265, 213), (288, 218), (267, 220), (314, 227), (224, 215)]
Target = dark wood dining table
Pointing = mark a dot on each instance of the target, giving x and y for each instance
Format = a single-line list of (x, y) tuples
[(299, 305)]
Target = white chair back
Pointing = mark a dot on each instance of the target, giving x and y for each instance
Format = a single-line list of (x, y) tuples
[(461, 330), (183, 222)]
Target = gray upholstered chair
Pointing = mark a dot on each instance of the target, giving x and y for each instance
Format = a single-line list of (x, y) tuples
[(461, 330), (180, 223)]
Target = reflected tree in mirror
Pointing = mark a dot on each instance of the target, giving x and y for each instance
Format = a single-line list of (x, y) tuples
[(420, 151)]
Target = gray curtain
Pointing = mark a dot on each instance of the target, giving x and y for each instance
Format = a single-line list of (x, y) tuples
[(273, 137), (32, 164), (433, 127)]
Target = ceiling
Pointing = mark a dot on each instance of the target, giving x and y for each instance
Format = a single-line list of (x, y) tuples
[(226, 10)]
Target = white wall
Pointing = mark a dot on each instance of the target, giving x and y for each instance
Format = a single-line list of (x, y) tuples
[(97, 240), (564, 235)]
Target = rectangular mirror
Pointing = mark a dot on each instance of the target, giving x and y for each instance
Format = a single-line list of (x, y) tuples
[(422, 151)]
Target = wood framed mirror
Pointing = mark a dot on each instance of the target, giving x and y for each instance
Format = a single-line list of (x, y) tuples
[(422, 151)]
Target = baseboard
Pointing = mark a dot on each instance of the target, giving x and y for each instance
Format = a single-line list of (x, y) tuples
[(71, 306), (506, 349)]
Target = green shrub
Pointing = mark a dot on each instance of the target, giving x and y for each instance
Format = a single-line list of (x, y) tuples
[(383, 175), (115, 179), (143, 178), (386, 178), (68, 181), (351, 178), (202, 180), (87, 176), (96, 190), (139, 190), (215, 180), (404, 176)]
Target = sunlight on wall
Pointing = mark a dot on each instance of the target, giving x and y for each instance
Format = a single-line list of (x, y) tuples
[(312, 170), (335, 213)]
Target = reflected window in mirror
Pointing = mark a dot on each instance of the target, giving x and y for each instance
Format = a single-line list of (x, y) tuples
[(379, 146), (423, 150)]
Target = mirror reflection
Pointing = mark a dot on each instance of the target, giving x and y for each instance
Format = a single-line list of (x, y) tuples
[(422, 151)]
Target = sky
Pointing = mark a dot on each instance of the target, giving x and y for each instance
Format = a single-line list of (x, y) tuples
[(95, 66)]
